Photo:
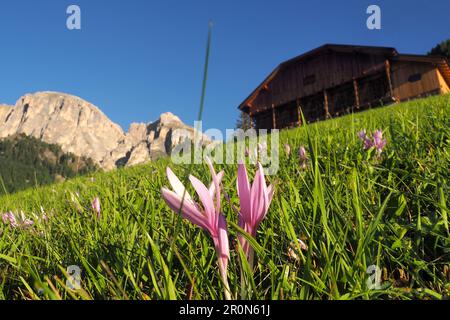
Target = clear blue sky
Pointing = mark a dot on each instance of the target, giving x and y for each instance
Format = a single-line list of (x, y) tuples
[(138, 58)]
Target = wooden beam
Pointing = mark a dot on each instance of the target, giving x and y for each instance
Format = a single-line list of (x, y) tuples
[(325, 104), (388, 74), (274, 122), (252, 120), (355, 88), (299, 113)]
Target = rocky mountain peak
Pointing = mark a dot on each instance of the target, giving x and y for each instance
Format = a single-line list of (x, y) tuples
[(83, 129), (168, 118)]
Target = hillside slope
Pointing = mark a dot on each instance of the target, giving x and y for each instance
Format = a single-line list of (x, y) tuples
[(27, 162), (352, 209)]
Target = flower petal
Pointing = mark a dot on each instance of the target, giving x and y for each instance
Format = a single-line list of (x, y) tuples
[(223, 238), (189, 211), (257, 196), (243, 187), (212, 186), (216, 182), (206, 199), (270, 193), (176, 184)]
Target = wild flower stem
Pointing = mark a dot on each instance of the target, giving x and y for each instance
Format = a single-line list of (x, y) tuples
[(224, 277)]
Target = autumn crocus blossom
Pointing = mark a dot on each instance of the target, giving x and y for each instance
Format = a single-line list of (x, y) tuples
[(367, 143), (206, 215), (254, 200), (262, 148), (287, 149), (303, 157), (24, 221), (376, 142), (96, 207), (10, 218), (19, 221)]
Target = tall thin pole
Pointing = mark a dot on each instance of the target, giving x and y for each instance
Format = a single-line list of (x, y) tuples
[(197, 129), (205, 73)]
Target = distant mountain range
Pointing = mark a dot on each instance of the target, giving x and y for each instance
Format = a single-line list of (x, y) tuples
[(82, 129)]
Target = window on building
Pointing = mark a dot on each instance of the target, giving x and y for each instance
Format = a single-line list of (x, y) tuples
[(415, 77)]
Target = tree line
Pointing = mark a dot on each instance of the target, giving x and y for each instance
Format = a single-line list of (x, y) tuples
[(28, 162)]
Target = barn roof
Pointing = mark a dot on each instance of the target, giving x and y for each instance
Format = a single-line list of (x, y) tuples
[(343, 48), (390, 52)]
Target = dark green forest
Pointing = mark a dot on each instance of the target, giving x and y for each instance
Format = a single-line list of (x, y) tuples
[(28, 162), (442, 49)]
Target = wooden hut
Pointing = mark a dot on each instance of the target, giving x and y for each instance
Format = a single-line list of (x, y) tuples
[(333, 80)]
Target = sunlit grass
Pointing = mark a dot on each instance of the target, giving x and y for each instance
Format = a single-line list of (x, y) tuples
[(351, 209)]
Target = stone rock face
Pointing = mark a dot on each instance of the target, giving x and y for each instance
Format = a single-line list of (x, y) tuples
[(139, 154), (4, 111), (82, 129), (148, 142)]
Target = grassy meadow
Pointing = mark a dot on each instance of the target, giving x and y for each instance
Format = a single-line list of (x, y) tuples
[(352, 209)]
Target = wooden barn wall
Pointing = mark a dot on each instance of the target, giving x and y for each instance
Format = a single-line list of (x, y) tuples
[(329, 69), (404, 88), (264, 120), (443, 84), (341, 99), (373, 89)]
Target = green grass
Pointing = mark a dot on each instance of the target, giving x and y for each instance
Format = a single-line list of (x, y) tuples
[(352, 210)]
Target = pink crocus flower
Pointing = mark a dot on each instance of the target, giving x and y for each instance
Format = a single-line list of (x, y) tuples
[(206, 215), (302, 153), (27, 223), (303, 157), (293, 249), (21, 221), (252, 154), (96, 207), (287, 149), (44, 215), (362, 134), (11, 218), (262, 147), (367, 143), (378, 142), (24, 221), (261, 152), (254, 200)]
